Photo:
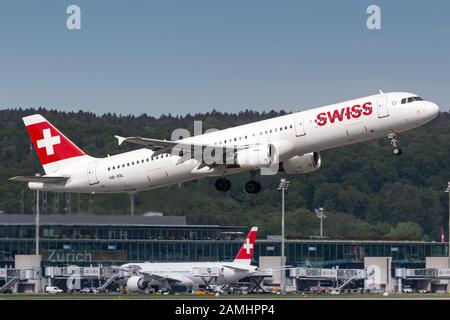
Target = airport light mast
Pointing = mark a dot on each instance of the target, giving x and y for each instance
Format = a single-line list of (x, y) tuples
[(321, 215), (448, 239), (37, 218), (284, 184)]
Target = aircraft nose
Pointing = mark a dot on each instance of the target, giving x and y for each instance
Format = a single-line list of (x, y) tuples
[(433, 110)]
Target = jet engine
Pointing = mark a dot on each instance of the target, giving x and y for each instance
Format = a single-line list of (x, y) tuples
[(136, 283), (306, 163), (261, 156)]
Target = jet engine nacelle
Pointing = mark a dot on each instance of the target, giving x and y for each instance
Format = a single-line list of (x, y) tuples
[(302, 164), (261, 156), (136, 283)]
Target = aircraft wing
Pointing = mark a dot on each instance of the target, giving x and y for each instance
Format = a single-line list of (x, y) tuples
[(165, 146), (239, 267), (165, 276), (44, 179)]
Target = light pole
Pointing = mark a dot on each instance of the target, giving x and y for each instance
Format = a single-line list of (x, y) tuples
[(448, 239), (37, 218), (132, 195), (321, 215), (284, 184)]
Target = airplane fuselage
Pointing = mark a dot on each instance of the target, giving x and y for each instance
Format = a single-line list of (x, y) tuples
[(294, 134), (194, 273)]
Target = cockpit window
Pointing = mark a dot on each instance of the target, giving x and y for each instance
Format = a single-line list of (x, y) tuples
[(411, 99)]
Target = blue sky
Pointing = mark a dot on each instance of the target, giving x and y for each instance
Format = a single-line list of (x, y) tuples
[(192, 56)]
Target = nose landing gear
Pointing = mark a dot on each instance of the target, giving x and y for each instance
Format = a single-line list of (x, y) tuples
[(392, 136)]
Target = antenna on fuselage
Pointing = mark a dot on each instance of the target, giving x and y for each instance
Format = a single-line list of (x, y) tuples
[(380, 91)]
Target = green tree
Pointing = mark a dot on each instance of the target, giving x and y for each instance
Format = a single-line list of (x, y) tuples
[(407, 231)]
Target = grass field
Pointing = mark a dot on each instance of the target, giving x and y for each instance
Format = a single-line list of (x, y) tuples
[(225, 296)]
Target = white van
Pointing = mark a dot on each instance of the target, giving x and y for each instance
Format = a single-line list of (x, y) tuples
[(52, 290)]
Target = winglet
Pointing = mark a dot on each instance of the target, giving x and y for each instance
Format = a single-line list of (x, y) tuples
[(120, 139)]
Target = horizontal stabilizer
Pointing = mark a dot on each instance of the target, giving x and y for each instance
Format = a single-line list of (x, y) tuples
[(44, 179)]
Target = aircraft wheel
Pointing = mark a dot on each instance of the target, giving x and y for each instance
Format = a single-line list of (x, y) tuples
[(397, 151), (253, 187), (223, 184)]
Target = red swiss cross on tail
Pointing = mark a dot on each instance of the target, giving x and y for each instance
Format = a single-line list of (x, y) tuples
[(245, 253), (50, 144)]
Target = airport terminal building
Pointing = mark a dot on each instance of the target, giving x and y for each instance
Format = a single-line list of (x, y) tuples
[(85, 240)]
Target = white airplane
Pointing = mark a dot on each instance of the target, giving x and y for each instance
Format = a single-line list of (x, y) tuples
[(290, 143), (193, 273)]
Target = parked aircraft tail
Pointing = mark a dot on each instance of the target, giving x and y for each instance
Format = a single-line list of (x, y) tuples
[(245, 253)]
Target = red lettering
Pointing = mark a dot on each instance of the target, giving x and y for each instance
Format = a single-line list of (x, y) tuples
[(350, 112), (367, 108), (336, 114), (356, 111), (322, 119)]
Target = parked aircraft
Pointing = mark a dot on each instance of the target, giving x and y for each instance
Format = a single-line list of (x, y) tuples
[(193, 273)]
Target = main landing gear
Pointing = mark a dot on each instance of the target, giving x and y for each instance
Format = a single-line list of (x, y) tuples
[(392, 136), (223, 184), (253, 186)]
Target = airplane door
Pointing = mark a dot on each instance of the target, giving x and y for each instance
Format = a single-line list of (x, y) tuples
[(300, 128), (382, 107), (92, 174)]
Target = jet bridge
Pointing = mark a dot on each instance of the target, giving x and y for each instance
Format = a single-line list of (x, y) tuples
[(27, 279), (104, 275), (340, 277)]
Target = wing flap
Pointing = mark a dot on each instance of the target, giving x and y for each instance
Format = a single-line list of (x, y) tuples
[(165, 146)]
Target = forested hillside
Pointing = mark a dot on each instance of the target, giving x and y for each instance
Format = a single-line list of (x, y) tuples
[(366, 191)]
